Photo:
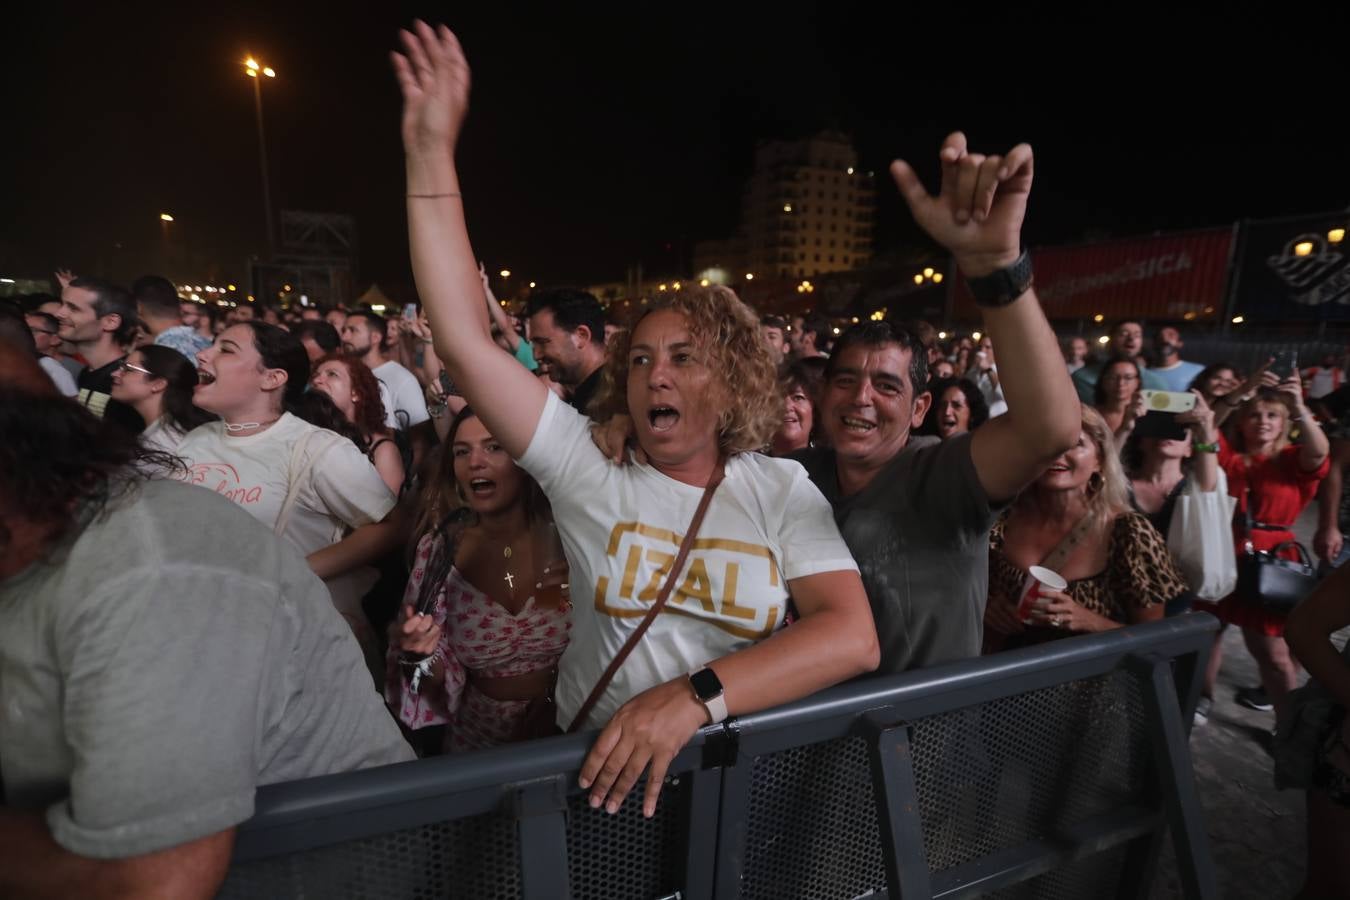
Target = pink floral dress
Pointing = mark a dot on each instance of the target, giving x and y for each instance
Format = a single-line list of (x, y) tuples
[(479, 637)]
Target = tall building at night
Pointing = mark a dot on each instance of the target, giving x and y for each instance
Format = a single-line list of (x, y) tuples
[(808, 209)]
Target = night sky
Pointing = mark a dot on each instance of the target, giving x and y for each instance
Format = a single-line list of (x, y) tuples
[(597, 140)]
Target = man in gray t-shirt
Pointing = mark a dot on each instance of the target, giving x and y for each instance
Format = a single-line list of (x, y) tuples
[(917, 518), (157, 665)]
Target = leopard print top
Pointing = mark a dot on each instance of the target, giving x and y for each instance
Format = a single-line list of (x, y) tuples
[(1140, 572)]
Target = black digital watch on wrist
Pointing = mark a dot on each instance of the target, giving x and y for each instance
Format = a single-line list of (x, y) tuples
[(1004, 286)]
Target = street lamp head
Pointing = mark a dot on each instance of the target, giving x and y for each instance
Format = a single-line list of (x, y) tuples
[(250, 73), (165, 217), (270, 72), (252, 64)]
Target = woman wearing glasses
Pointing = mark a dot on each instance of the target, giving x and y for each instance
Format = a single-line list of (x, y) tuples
[(158, 382), (1117, 397)]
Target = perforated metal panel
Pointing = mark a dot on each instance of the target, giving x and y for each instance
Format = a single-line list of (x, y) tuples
[(627, 855), (988, 778), (813, 825), (473, 858), (1095, 877), (994, 776)]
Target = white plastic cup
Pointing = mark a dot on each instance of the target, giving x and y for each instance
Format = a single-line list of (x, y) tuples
[(1039, 579)]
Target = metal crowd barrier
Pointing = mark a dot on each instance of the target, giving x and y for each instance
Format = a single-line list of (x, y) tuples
[(1054, 771)]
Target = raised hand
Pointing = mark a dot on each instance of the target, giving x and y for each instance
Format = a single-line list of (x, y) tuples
[(1200, 419), (434, 79), (977, 215), (64, 277), (1292, 387)]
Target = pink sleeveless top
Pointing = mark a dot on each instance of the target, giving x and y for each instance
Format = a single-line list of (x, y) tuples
[(478, 636)]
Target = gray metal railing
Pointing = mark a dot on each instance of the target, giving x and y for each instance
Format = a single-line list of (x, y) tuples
[(1052, 771)]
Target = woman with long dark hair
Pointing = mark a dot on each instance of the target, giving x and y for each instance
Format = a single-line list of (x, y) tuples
[(355, 391), (309, 483), (487, 604), (158, 383), (958, 406)]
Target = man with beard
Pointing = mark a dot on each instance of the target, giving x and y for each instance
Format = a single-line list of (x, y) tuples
[(363, 337), (567, 328), (1127, 342)]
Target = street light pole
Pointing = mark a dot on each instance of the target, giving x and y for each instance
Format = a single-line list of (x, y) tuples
[(255, 72)]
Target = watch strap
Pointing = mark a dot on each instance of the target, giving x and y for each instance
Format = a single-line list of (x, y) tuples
[(717, 709), (1004, 286)]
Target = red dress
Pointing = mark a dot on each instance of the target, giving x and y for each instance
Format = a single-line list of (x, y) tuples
[(1280, 491)]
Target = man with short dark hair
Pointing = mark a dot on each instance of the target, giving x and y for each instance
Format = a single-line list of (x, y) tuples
[(46, 339), (567, 328), (318, 338), (46, 303), (337, 317), (98, 319), (162, 655), (916, 513), (813, 337), (363, 337), (774, 330), (1127, 342), (1176, 372), (161, 310)]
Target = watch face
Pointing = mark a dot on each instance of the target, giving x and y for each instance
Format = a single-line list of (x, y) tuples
[(706, 684)]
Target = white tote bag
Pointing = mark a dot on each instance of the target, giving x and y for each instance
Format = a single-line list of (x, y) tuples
[(1201, 539)]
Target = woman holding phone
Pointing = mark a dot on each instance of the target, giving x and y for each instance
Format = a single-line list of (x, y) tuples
[(1273, 480), (486, 608)]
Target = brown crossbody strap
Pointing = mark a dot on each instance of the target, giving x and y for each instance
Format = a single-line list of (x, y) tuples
[(598, 691)]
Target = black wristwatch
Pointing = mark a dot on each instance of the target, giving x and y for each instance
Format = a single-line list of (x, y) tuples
[(708, 689), (1004, 286)]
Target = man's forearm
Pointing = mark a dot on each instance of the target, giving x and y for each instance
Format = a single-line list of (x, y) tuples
[(1042, 403)]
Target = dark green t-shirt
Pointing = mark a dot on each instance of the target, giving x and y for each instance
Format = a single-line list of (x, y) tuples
[(920, 535)]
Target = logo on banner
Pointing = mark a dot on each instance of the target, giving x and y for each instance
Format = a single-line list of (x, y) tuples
[(1316, 276), (718, 576)]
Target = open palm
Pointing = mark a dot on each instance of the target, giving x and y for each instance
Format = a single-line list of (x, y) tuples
[(434, 78)]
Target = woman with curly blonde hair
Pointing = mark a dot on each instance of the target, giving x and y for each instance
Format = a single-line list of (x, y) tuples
[(745, 389), (693, 375), (1076, 520)]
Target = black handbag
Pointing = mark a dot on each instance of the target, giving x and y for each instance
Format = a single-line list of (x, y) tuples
[(1267, 580)]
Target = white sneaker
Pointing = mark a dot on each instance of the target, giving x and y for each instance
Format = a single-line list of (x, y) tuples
[(1202, 708)]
